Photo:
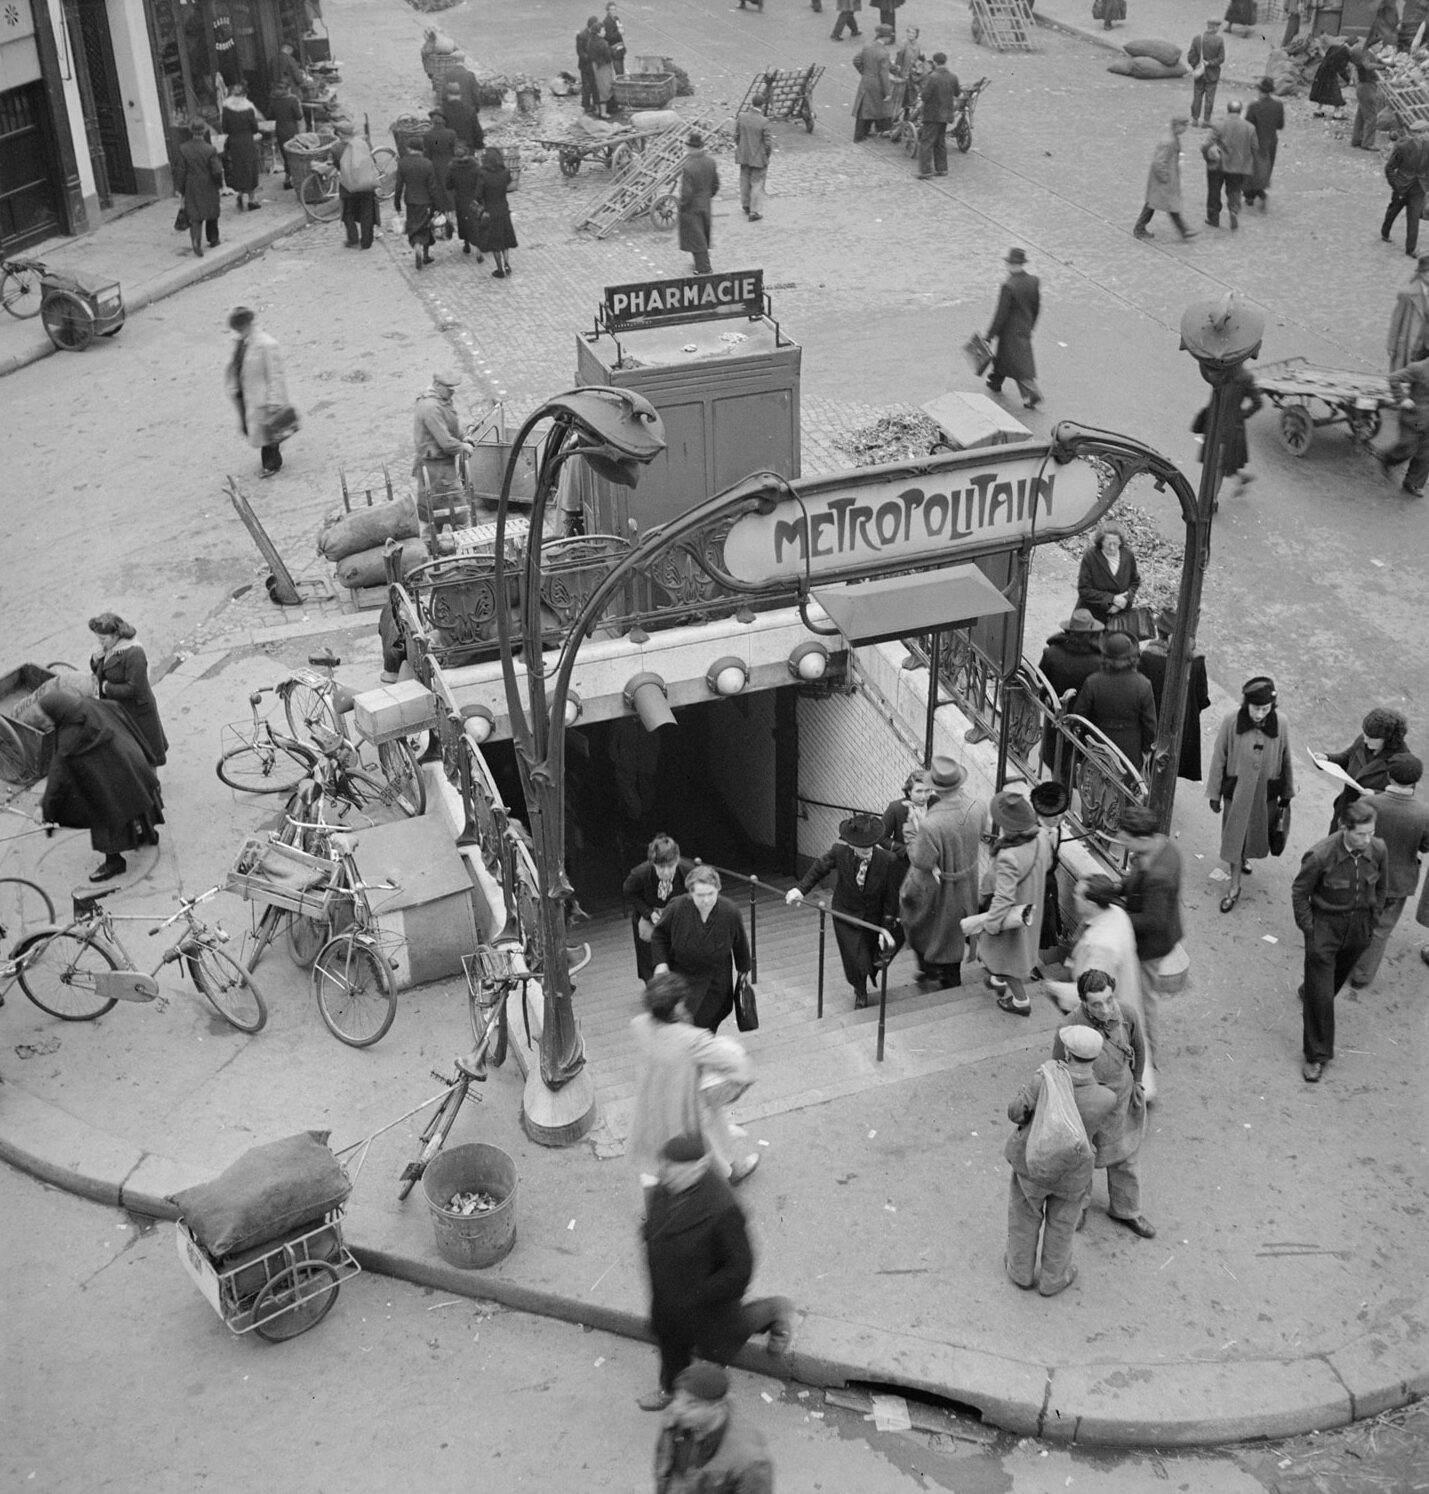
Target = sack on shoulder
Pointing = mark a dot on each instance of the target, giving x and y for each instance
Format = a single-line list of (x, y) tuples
[(357, 171), (746, 1005), (1057, 1142)]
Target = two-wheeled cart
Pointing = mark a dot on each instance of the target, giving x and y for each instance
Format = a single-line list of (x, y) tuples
[(788, 92), (1300, 390), (614, 149), (652, 184)]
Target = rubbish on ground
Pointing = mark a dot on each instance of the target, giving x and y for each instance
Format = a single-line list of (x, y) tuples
[(890, 1414)]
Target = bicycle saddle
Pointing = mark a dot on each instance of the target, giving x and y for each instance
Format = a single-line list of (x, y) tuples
[(93, 894), (325, 660)]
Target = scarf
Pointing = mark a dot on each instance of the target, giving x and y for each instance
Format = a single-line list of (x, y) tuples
[(1270, 726), (665, 881)]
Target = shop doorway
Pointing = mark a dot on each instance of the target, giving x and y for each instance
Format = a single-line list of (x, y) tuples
[(106, 127), (31, 191)]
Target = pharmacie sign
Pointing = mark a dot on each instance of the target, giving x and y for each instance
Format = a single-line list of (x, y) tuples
[(649, 302), (925, 513)]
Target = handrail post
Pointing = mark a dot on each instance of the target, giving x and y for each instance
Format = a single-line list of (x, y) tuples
[(823, 928), (882, 1009), (753, 930)]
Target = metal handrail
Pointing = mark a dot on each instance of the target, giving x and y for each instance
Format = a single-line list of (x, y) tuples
[(825, 910)]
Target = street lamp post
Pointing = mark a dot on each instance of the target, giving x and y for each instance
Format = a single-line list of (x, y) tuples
[(1220, 334), (615, 432)]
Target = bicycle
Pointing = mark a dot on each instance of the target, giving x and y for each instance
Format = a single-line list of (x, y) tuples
[(78, 972), (320, 195), (264, 762), (20, 287)]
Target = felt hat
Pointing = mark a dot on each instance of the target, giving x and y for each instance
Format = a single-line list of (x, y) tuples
[(861, 830), (1082, 621), (1081, 1042), (1013, 814), (947, 773), (1259, 690), (1118, 646), (1050, 799), (1016, 257), (449, 380), (688, 1148), (706, 1382)]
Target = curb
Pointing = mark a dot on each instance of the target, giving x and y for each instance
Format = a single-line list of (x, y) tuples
[(1186, 1404), (1065, 28), (228, 258)]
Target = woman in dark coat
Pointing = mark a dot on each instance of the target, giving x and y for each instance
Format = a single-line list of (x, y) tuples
[(1119, 701), (121, 674), (100, 778), (702, 937), (1154, 659), (1266, 116), (650, 889), (416, 187), (463, 184), (198, 174), (1234, 450), (239, 124), (1108, 580), (287, 110), (497, 233), (439, 146), (1333, 71), (1367, 758)]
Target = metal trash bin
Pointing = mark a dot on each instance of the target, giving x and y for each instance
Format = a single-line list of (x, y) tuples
[(472, 1241)]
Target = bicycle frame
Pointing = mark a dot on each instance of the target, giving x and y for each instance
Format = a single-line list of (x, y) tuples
[(130, 983)]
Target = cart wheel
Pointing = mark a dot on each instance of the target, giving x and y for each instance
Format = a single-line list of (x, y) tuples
[(385, 161), (664, 210), (1364, 425), (963, 137), (808, 115), (620, 158), (570, 162), (68, 320), (910, 137), (1297, 429), (295, 1300)]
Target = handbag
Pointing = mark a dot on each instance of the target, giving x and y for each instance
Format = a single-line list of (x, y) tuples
[(282, 423), (1278, 831), (746, 1005), (978, 353), (1137, 622), (181, 220)]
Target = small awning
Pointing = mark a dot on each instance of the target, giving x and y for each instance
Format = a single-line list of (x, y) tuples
[(873, 611)]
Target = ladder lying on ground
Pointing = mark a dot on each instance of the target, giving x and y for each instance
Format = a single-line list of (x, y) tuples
[(1003, 25), (650, 183)]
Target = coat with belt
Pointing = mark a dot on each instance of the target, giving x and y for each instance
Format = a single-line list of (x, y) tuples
[(1018, 304), (1017, 876), (941, 887), (1163, 182), (260, 389), (874, 65), (198, 175), (699, 181)]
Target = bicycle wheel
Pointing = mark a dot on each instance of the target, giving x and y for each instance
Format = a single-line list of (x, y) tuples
[(295, 1300), (59, 974), (353, 986), (319, 198), (68, 320), (20, 291), (266, 767), (434, 1138), (963, 136), (399, 767), (385, 160), (228, 986), (305, 706), (306, 936), (24, 907), (357, 789)]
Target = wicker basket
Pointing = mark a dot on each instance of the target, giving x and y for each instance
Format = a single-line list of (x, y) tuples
[(645, 90), (301, 161), (404, 135)]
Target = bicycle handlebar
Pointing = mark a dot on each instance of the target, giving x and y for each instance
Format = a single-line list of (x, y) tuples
[(184, 907)]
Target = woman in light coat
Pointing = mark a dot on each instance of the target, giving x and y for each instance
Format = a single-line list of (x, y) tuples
[(1163, 184), (1016, 879), (1250, 769), (258, 389)]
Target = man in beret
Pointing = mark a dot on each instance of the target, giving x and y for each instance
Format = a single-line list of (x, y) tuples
[(700, 1262), (437, 437), (865, 887), (1051, 1209), (702, 1448)]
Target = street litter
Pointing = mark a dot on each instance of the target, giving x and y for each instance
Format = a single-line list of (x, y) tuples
[(766, 1397), (1269, 939), (890, 1414), (472, 1203), (1217, 875), (41, 1049)]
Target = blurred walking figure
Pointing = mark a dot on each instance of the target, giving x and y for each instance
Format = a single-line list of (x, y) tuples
[(1411, 384), (1233, 451), (941, 886), (753, 145), (650, 888), (198, 176), (239, 123), (702, 1447), (1151, 892), (121, 674), (1050, 1210), (258, 388), (1163, 185), (287, 110), (1205, 57), (1251, 773), (1401, 821), (699, 182), (700, 1262), (1409, 325), (939, 93), (1019, 303), (416, 191), (1266, 116), (847, 17)]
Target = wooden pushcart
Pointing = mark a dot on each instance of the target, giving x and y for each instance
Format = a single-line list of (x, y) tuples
[(1300, 389), (789, 92)]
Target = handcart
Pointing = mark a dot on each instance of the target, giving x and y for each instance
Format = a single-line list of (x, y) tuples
[(616, 149), (651, 185), (1296, 387), (789, 93)]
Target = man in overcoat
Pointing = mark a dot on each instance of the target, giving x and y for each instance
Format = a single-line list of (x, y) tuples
[(866, 887), (198, 176), (1411, 383), (940, 106), (1163, 185), (699, 181), (941, 886), (874, 66), (753, 145), (1406, 171), (1402, 823), (1018, 304)]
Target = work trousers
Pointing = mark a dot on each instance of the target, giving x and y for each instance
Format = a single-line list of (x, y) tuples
[(1123, 1189), (1203, 95), (1333, 943), (1147, 214), (359, 216), (680, 1343), (933, 147), (1411, 202), (1412, 447), (846, 20), (1033, 1212), (1362, 132), (1233, 183), (1367, 966), (589, 100), (751, 189)]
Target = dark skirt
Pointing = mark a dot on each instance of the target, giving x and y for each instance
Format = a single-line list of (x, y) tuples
[(419, 225), (240, 152), (1326, 87), (495, 231)]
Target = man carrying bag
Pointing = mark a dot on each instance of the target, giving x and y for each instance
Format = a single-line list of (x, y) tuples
[(357, 178)]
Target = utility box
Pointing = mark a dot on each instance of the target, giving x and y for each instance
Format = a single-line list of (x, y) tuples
[(725, 378)]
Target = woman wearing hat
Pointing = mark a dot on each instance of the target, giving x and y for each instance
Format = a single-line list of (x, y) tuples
[(1367, 758), (121, 674), (1016, 879), (1250, 771), (865, 887), (1108, 579), (940, 888), (1119, 702)]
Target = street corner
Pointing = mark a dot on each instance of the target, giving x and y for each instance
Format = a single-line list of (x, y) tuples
[(58, 1148), (1194, 1404), (1388, 1368)]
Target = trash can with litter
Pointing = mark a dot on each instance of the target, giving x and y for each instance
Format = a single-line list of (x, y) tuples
[(471, 1192)]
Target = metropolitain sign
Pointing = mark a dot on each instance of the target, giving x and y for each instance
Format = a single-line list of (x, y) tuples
[(929, 513)]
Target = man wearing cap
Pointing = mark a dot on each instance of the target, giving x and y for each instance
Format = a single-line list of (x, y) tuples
[(874, 66), (1163, 185), (702, 1448), (436, 434), (1337, 898), (753, 145), (1407, 172), (865, 887), (1402, 823), (939, 93), (699, 182), (700, 1263), (1205, 57), (941, 887), (1155, 656), (1119, 701), (1018, 305), (1052, 1210)]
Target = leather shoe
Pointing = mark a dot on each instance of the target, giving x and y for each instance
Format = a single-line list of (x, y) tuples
[(1311, 1071), (742, 1170), (110, 867), (1007, 1004), (1138, 1226)]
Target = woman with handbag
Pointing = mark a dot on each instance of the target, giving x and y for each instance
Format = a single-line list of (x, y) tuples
[(198, 176), (1108, 579), (702, 938), (1252, 777), (257, 386), (1234, 452), (1015, 886)]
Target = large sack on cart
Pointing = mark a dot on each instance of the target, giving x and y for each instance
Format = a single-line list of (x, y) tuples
[(269, 1191), (365, 528)]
